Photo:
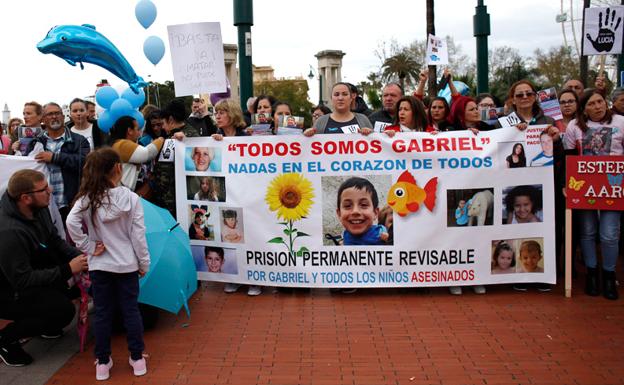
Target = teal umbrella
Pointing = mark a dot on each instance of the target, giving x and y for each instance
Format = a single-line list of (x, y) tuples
[(172, 278)]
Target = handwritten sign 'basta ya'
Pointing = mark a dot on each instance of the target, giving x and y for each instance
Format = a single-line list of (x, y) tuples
[(595, 182), (197, 58)]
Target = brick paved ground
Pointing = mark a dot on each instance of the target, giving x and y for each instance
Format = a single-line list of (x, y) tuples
[(378, 337)]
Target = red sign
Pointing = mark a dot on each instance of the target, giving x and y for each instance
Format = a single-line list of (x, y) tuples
[(595, 182)]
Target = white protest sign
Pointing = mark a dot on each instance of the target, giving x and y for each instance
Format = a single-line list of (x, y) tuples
[(437, 51), (603, 31), (458, 190), (510, 120), (381, 126), (197, 58)]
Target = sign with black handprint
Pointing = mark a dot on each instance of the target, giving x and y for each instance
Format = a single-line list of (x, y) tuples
[(603, 31)]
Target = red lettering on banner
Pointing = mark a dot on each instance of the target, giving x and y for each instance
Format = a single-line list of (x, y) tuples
[(267, 149)]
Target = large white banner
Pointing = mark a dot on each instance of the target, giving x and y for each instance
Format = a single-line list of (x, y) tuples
[(197, 58), (353, 211), (603, 31)]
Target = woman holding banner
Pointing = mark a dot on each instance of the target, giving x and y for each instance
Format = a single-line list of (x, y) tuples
[(524, 103), (465, 115), (410, 116), (592, 118), (230, 122), (342, 120)]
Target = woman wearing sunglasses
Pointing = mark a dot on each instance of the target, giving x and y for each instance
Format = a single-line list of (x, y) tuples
[(524, 103)]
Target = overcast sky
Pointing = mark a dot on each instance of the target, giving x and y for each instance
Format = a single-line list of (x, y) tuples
[(286, 35)]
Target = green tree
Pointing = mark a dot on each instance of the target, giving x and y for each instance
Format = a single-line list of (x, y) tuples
[(507, 66), (292, 91), (556, 66), (370, 88), (402, 66)]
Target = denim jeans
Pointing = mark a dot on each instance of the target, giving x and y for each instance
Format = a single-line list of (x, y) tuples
[(608, 223), (122, 288)]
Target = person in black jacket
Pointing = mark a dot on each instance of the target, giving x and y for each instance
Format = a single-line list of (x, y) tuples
[(35, 265), (64, 154), (200, 119)]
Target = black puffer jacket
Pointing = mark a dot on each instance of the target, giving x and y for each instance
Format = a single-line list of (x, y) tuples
[(31, 252)]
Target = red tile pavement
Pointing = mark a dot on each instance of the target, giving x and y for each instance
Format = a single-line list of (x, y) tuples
[(377, 336)]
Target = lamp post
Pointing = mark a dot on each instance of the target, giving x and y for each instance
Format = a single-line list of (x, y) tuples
[(320, 78), (243, 19), (481, 30)]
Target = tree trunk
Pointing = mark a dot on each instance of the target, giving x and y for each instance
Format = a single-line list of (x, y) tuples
[(433, 83)]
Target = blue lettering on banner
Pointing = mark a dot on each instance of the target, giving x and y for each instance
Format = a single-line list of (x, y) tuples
[(252, 168), (465, 162)]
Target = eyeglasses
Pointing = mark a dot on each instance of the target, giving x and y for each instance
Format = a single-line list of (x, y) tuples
[(316, 116), (486, 105), (566, 102), (38, 191), (53, 113), (527, 94)]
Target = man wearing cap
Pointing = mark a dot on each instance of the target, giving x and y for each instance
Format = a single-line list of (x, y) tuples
[(35, 265)]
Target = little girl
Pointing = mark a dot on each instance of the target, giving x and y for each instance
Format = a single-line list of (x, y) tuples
[(524, 205), (230, 232), (503, 259), (118, 255)]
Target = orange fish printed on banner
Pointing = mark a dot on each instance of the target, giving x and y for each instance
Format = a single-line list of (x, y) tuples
[(405, 196)]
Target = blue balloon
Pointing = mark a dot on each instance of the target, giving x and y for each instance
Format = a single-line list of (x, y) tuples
[(119, 108), (145, 12), (82, 43), (139, 118), (105, 96), (105, 121), (154, 49), (136, 100)]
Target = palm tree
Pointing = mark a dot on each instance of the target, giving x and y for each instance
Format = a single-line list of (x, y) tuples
[(403, 66)]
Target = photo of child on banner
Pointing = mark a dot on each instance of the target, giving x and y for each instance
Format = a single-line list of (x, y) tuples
[(351, 210), (200, 229), (214, 260), (522, 204), (470, 207), (232, 225), (503, 257), (206, 188), (203, 159)]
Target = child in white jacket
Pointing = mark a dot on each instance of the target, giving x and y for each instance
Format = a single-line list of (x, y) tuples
[(118, 256)]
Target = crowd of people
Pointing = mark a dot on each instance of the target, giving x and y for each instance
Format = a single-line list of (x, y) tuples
[(95, 179)]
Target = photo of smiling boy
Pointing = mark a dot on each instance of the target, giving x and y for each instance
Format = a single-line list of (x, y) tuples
[(357, 209), (215, 257), (530, 257)]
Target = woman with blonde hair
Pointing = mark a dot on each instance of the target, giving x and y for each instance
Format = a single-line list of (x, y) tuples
[(229, 118)]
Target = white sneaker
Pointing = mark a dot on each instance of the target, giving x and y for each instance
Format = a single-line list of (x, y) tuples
[(231, 287), (479, 289), (254, 291), (102, 371), (455, 290), (139, 367)]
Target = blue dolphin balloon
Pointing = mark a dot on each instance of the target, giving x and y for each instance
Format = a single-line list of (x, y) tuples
[(82, 43)]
